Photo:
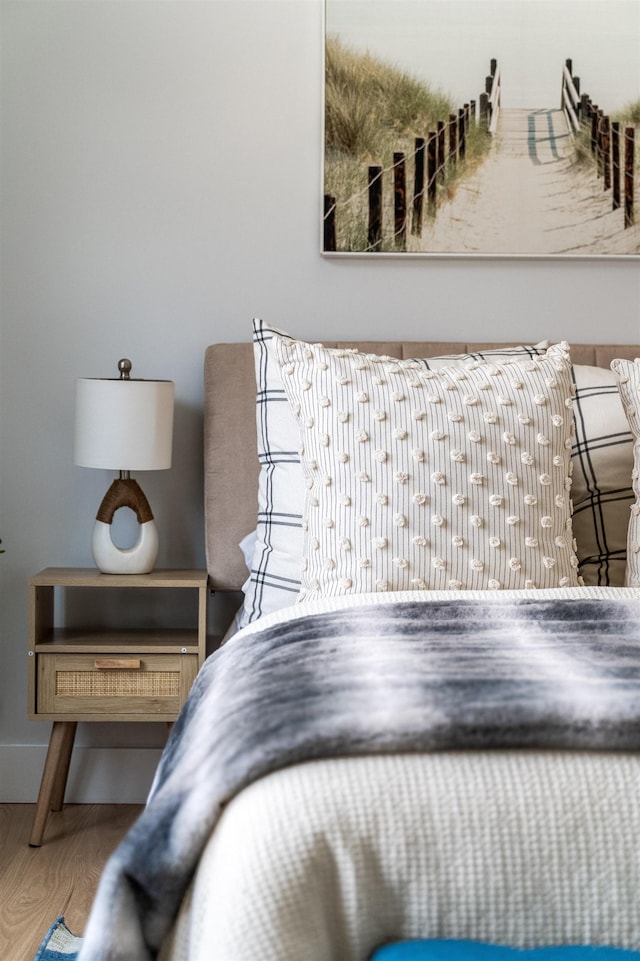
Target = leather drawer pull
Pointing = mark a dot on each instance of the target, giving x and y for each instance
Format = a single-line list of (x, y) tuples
[(119, 663)]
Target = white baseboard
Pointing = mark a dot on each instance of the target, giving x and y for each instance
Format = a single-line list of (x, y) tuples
[(96, 775)]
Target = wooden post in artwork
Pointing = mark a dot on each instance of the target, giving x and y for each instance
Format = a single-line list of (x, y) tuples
[(599, 150), (606, 153), (484, 110), (629, 163), (399, 201), (418, 186), (563, 87), (594, 128), (462, 140), (453, 138), (432, 166), (441, 151), (329, 222), (615, 164), (576, 84), (374, 236)]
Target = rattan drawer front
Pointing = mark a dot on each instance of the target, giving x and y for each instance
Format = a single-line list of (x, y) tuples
[(146, 684), (111, 683)]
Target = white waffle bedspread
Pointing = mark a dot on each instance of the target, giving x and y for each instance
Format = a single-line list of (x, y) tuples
[(326, 860)]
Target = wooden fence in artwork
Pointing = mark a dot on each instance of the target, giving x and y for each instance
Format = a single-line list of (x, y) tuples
[(434, 157), (490, 99), (612, 148)]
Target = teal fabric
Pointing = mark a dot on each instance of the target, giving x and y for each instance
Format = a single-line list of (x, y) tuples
[(481, 951)]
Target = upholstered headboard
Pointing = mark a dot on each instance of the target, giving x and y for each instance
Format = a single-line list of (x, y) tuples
[(230, 459)]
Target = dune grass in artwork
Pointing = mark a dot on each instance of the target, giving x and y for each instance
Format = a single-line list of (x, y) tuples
[(630, 114), (373, 110)]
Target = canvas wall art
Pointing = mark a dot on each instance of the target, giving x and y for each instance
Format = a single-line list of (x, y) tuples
[(482, 128)]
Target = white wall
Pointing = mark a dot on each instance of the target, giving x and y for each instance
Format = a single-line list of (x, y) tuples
[(160, 186)]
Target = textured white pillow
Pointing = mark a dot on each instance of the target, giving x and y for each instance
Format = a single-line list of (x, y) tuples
[(274, 580), (455, 478), (628, 374), (602, 456)]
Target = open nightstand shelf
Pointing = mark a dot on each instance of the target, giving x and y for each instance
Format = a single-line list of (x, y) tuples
[(71, 641), (94, 674)]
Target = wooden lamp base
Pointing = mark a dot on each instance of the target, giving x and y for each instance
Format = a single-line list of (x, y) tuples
[(108, 557)]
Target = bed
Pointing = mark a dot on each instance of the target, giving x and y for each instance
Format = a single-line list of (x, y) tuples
[(374, 788)]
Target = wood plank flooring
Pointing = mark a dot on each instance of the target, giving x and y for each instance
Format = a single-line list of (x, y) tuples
[(37, 885)]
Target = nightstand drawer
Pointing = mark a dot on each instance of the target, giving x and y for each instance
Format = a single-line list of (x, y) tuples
[(114, 684)]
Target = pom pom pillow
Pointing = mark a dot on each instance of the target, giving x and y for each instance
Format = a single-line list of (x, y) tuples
[(418, 479)]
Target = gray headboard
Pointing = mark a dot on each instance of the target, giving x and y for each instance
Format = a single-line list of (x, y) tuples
[(230, 460)]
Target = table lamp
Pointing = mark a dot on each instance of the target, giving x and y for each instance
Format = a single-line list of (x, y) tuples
[(124, 424)]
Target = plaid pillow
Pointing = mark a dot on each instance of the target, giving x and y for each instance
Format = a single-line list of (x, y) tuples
[(602, 457), (275, 573), (628, 377)]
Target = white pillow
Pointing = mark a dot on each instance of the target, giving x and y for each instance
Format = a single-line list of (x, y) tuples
[(628, 374), (420, 479), (274, 580), (602, 457)]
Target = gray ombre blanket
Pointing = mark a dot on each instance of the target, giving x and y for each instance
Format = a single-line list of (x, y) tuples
[(407, 677)]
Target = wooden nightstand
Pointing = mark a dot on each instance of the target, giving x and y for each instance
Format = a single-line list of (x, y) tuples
[(97, 674)]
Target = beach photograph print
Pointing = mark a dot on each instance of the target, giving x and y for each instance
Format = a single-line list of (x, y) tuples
[(482, 128)]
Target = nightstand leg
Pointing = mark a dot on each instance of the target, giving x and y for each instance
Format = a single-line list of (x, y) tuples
[(62, 769), (54, 777)]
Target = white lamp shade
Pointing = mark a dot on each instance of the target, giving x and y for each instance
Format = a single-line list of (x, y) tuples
[(124, 424)]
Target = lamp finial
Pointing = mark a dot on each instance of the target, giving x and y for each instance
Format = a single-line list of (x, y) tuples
[(124, 366)]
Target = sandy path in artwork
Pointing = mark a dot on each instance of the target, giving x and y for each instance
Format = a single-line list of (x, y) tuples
[(529, 197)]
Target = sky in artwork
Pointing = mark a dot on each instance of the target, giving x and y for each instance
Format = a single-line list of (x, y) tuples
[(449, 44)]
